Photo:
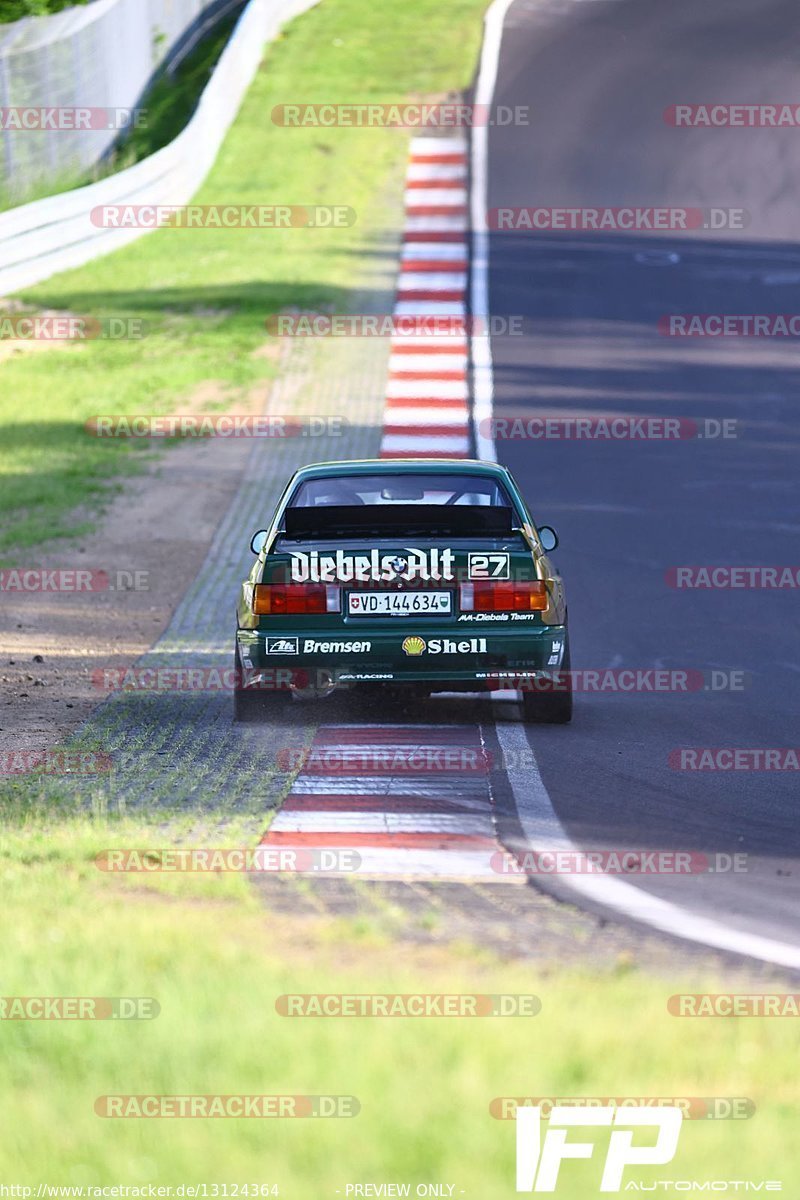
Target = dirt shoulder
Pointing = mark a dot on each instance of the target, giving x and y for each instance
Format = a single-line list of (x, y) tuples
[(156, 533)]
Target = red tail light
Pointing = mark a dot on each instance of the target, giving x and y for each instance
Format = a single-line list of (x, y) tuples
[(278, 599), (508, 596)]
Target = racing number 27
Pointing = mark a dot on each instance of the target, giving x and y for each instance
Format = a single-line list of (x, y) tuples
[(488, 566)]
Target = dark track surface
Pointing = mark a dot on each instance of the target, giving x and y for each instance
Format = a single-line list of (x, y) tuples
[(598, 75)]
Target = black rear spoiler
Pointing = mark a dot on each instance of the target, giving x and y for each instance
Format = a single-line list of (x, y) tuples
[(381, 520)]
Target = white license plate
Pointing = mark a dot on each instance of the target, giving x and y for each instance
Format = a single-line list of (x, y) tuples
[(398, 604)]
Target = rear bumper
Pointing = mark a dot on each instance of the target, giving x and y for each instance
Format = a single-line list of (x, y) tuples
[(480, 655)]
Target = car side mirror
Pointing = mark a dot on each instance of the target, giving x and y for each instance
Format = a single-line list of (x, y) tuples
[(548, 537), (259, 541)]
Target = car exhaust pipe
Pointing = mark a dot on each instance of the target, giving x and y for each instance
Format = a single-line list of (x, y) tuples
[(315, 685)]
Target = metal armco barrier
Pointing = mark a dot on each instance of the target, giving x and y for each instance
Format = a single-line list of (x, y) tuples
[(102, 55), (37, 240)]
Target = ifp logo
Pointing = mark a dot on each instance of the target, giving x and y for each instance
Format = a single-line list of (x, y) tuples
[(538, 1162)]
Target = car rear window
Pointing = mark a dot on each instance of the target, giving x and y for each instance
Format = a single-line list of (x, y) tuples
[(423, 489)]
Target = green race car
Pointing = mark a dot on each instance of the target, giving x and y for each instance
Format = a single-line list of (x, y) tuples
[(415, 574)]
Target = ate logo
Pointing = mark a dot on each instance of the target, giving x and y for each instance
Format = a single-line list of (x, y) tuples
[(539, 1161)]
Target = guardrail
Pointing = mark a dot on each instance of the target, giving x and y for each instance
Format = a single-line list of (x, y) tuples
[(105, 55), (37, 240)]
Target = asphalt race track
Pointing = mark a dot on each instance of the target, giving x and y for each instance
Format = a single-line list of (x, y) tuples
[(597, 76)]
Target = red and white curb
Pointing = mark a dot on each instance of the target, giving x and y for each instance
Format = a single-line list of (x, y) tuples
[(409, 800), (427, 398)]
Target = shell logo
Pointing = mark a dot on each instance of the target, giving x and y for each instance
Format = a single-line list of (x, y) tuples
[(414, 645)]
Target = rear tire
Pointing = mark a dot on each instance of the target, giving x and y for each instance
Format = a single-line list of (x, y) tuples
[(551, 708), (245, 701), (252, 703)]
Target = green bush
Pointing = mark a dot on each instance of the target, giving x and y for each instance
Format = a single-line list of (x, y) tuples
[(14, 10)]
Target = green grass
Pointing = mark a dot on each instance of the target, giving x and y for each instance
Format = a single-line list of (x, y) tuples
[(205, 294), (216, 964)]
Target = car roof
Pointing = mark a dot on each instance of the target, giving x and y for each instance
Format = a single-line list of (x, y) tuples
[(402, 466)]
